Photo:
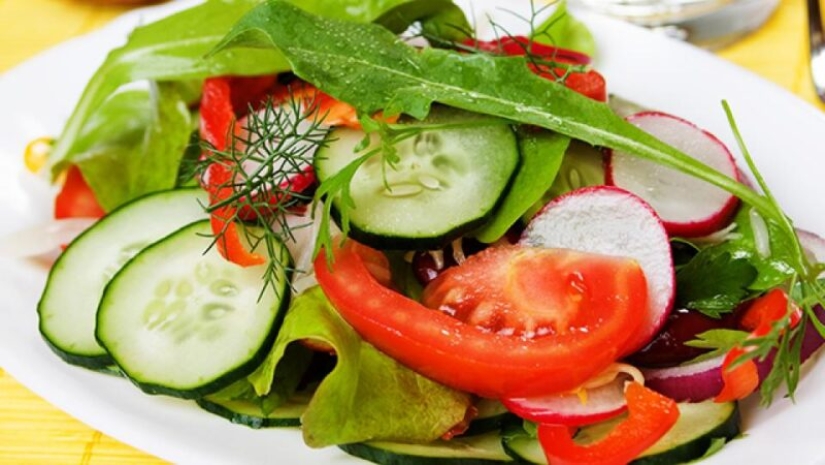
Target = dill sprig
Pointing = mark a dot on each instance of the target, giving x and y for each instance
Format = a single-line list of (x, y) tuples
[(273, 147)]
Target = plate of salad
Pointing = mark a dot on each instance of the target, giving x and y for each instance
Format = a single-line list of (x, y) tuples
[(412, 231)]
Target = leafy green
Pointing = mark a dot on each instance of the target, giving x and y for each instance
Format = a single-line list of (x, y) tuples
[(170, 49), (542, 153), (175, 49), (134, 144), (718, 341), (563, 30), (774, 264), (714, 282), (367, 395), (369, 67)]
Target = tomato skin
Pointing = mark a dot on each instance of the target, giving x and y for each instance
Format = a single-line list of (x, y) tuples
[(470, 358), (650, 416), (76, 199)]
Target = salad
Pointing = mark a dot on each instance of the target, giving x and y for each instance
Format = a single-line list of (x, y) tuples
[(258, 349)]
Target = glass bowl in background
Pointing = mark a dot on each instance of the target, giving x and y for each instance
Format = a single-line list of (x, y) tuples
[(707, 23)]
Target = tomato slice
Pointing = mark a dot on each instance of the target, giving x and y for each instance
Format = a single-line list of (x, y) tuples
[(76, 199), (490, 354), (650, 416)]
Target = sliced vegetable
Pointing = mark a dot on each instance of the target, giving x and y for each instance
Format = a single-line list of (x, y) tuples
[(611, 221), (650, 416), (186, 323), (699, 428), (76, 199), (68, 306), (482, 449), (742, 378), (597, 400), (549, 62), (577, 333), (688, 206), (444, 183)]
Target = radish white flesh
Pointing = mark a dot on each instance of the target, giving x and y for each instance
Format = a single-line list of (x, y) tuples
[(688, 206), (599, 399), (571, 409), (611, 221)]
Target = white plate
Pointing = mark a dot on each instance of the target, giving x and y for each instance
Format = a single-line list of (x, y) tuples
[(783, 133)]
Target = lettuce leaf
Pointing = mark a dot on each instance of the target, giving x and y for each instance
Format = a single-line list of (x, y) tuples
[(368, 395)]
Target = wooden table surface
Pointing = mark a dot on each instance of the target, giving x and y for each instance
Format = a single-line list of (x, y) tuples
[(31, 430)]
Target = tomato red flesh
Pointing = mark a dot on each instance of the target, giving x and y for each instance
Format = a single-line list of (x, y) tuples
[(475, 359), (650, 416), (76, 199)]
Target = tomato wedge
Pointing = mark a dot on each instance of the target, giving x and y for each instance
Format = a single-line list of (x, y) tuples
[(598, 311), (650, 416), (76, 199), (743, 379)]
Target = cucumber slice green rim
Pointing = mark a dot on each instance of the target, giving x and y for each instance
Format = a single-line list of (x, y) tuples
[(180, 320), (68, 305), (447, 181), (484, 449), (248, 414)]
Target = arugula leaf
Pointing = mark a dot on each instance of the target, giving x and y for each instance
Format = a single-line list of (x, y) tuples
[(369, 67), (719, 341), (563, 30), (368, 395), (175, 48), (714, 282), (134, 144), (542, 153)]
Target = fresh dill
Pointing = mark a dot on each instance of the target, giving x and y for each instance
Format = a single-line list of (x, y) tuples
[(268, 158)]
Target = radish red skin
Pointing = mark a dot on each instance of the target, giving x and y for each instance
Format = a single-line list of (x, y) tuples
[(694, 227)]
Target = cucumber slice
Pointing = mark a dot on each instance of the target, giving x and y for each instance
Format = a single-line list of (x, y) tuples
[(690, 438), (492, 415), (179, 319), (249, 414), (482, 449), (68, 306), (446, 182)]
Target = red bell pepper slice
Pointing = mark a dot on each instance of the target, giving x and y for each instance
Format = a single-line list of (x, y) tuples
[(650, 416), (589, 83), (740, 381), (76, 199), (217, 122)]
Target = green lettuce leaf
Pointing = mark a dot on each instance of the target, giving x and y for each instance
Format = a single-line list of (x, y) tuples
[(562, 29), (134, 144), (368, 395), (175, 49)]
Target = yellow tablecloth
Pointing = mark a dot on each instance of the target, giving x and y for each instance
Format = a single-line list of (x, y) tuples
[(31, 430)]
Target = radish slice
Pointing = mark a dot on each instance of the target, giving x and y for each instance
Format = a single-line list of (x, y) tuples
[(688, 206), (589, 405), (611, 221), (813, 244)]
